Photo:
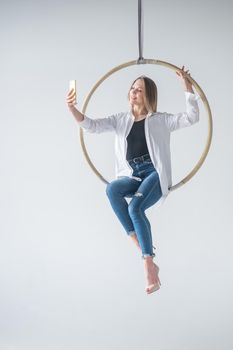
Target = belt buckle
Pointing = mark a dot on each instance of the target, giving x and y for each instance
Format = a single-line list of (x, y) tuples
[(136, 160)]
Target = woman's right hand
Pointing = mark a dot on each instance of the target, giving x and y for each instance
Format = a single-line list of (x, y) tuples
[(71, 98), (71, 102)]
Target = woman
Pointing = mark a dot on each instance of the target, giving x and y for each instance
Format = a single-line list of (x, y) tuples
[(143, 163)]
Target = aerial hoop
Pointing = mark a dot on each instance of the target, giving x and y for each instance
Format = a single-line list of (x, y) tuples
[(200, 93)]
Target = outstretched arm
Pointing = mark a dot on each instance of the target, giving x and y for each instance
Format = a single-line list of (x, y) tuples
[(88, 124), (191, 116)]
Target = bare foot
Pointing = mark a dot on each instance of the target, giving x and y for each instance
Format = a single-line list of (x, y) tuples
[(151, 272)]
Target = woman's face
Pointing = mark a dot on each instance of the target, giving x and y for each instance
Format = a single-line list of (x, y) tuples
[(136, 94)]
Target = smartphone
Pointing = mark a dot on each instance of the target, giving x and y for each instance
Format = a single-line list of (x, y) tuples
[(73, 86)]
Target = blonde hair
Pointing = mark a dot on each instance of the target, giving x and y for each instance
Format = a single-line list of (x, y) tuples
[(150, 93)]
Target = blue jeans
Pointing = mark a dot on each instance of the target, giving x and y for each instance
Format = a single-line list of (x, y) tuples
[(145, 191)]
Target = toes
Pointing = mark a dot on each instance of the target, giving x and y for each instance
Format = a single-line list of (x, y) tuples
[(152, 288)]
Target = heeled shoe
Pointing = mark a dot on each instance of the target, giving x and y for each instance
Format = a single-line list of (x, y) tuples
[(154, 286)]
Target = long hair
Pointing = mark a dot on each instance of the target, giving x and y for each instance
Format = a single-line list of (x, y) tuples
[(151, 93)]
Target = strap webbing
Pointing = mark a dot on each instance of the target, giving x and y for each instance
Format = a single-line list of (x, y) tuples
[(140, 31)]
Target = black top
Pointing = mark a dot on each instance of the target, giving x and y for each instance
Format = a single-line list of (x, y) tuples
[(136, 141)]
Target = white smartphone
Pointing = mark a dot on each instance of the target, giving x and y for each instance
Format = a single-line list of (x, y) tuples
[(73, 86)]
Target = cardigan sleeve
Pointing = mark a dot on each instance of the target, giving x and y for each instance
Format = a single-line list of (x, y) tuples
[(99, 125), (184, 119)]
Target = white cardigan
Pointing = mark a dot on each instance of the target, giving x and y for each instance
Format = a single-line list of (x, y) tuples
[(158, 127)]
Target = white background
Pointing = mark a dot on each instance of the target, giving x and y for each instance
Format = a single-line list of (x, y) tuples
[(70, 277)]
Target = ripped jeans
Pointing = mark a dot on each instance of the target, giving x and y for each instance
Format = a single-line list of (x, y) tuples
[(145, 190)]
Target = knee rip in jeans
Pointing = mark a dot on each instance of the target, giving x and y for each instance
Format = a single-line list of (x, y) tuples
[(138, 194)]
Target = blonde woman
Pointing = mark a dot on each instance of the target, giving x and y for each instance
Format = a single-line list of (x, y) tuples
[(143, 161)]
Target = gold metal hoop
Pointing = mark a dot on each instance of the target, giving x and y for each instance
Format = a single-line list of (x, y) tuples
[(200, 93)]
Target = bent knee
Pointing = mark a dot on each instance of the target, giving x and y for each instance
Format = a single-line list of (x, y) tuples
[(111, 188), (108, 189)]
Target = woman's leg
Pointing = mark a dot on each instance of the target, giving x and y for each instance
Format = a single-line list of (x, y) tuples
[(148, 193), (145, 197), (116, 192)]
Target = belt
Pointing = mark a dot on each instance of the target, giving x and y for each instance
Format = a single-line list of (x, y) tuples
[(140, 159)]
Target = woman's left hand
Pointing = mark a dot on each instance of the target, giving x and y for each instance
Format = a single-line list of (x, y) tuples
[(184, 77)]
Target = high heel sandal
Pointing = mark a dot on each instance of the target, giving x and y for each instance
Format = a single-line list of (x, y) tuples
[(154, 286)]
